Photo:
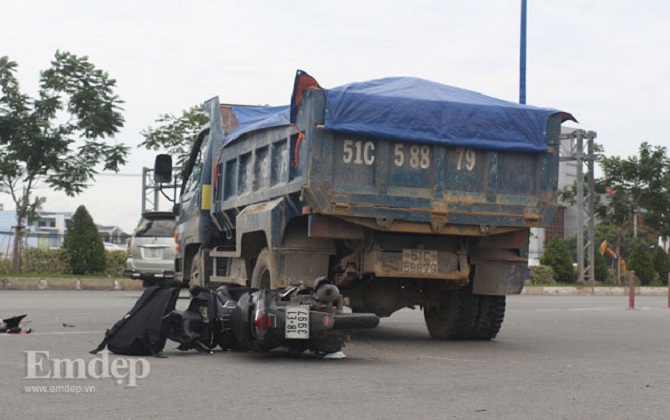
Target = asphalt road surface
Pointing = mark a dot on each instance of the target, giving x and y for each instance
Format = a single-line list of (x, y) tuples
[(556, 357)]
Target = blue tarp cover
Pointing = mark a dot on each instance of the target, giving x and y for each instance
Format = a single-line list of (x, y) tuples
[(417, 110), (411, 109), (255, 118)]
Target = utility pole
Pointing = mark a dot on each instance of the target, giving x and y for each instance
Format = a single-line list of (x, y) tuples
[(522, 59), (585, 202), (151, 189)]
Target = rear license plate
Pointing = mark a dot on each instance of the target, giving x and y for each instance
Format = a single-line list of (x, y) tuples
[(153, 253), (297, 322), (419, 261)]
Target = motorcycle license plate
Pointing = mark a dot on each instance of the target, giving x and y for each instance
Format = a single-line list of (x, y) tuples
[(297, 322)]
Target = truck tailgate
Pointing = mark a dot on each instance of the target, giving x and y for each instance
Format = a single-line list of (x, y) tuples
[(386, 182)]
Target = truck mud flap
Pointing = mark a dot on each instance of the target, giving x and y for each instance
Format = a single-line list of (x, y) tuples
[(498, 277)]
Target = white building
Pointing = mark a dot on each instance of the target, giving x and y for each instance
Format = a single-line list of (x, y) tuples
[(50, 229)]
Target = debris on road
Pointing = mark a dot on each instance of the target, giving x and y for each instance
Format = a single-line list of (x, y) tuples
[(13, 325)]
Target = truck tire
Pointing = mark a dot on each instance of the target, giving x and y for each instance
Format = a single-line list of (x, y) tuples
[(355, 321), (265, 274), (490, 317), (456, 317)]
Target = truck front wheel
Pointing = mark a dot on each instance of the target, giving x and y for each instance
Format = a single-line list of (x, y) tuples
[(265, 274), (196, 271), (455, 318)]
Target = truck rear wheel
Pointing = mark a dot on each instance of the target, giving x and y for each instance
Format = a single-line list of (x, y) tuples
[(455, 318), (490, 317), (265, 274)]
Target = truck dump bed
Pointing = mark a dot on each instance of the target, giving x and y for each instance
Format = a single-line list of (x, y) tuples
[(397, 154)]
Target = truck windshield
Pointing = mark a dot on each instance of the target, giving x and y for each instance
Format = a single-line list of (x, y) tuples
[(194, 165)]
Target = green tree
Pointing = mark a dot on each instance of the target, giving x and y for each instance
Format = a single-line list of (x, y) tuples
[(661, 263), (84, 244), (175, 134), (639, 261), (601, 271), (633, 185), (58, 138), (542, 274), (557, 256)]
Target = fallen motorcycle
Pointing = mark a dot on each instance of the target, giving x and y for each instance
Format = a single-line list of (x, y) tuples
[(239, 318)]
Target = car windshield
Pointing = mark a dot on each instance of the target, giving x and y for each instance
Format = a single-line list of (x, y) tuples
[(160, 228)]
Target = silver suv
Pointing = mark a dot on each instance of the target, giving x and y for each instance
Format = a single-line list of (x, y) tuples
[(151, 249)]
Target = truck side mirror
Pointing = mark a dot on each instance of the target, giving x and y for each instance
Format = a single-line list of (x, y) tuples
[(163, 169)]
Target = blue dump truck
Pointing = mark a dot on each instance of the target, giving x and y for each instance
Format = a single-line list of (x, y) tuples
[(400, 191)]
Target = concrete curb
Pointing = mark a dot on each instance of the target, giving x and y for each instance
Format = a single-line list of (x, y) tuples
[(593, 291), (25, 283)]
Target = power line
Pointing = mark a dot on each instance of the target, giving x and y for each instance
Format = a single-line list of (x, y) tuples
[(120, 175)]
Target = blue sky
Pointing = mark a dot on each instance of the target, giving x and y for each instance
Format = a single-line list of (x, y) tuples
[(607, 62)]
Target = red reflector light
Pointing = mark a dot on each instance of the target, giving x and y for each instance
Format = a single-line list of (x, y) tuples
[(327, 320), (262, 322)]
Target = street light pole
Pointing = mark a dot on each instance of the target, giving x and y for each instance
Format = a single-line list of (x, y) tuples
[(522, 59)]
